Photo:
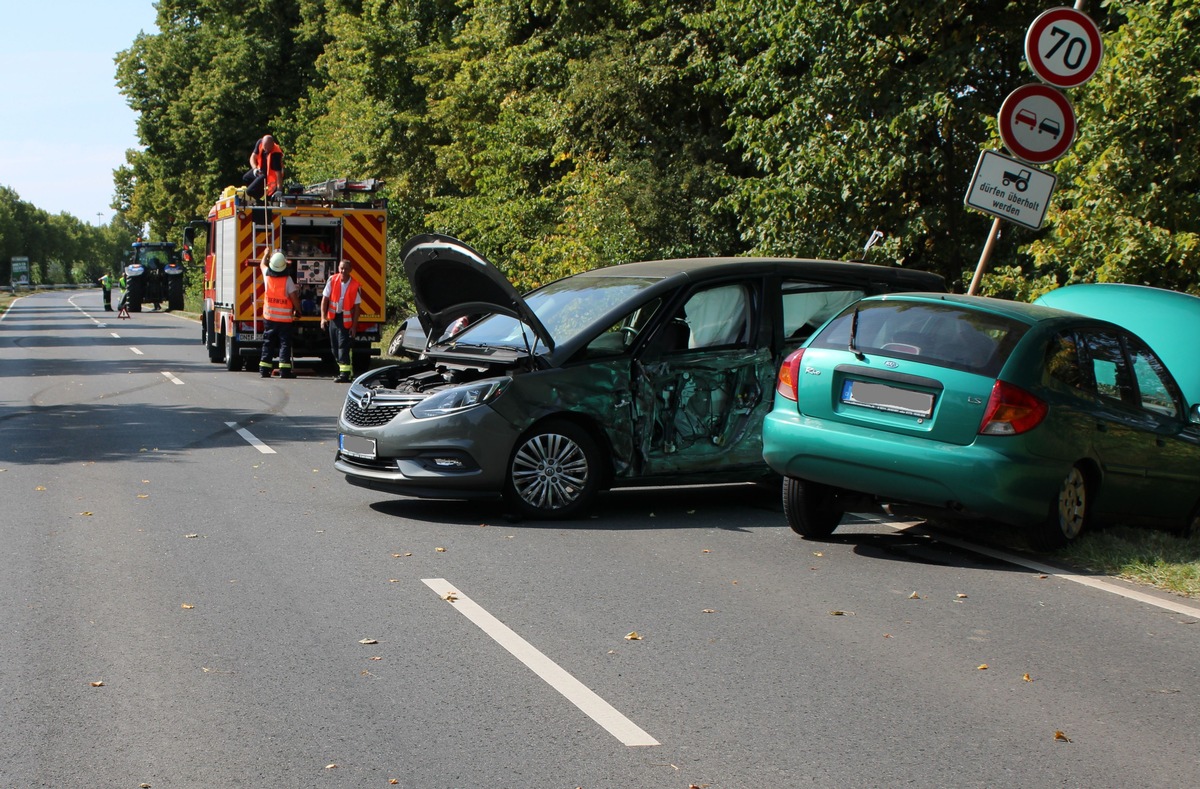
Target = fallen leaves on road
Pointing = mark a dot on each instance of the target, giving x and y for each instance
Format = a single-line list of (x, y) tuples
[(450, 597), (368, 641), (982, 667), (85, 513), (1027, 678), (190, 536), (634, 636), (331, 766), (40, 487), (440, 550), (1060, 737), (143, 495), (709, 611), (914, 596), (187, 606), (961, 596), (98, 683), (841, 613)]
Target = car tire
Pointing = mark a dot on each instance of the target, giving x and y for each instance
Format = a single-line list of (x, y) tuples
[(233, 356), (554, 471), (1070, 512), (396, 345), (811, 508)]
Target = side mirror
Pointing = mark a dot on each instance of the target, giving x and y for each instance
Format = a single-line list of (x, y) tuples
[(1194, 414)]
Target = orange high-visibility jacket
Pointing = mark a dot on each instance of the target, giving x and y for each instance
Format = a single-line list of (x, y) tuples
[(268, 157), (342, 300), (278, 305)]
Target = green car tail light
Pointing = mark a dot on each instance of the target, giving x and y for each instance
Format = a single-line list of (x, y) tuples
[(1011, 411), (788, 381)]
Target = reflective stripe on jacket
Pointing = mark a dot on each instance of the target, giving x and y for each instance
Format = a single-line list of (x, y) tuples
[(342, 302), (278, 306)]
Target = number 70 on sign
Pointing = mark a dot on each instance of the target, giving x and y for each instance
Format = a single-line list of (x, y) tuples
[(1063, 47)]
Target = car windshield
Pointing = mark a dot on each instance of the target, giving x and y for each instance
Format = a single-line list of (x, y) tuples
[(565, 307), (946, 335)]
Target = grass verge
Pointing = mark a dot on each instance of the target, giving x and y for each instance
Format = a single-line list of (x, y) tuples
[(1147, 556)]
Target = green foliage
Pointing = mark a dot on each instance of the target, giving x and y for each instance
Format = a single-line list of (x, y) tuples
[(1128, 203), (867, 115), (558, 136)]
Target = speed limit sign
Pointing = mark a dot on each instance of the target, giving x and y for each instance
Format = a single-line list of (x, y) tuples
[(1063, 47)]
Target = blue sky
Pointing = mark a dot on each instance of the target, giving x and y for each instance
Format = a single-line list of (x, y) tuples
[(64, 127)]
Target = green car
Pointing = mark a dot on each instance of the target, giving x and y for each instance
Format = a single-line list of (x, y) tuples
[(983, 408)]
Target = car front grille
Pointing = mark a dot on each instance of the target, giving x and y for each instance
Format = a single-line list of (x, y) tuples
[(376, 415)]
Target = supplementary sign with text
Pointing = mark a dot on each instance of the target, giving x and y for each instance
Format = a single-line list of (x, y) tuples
[(1010, 189)]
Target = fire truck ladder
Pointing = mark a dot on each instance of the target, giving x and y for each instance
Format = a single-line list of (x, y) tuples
[(342, 187), (263, 225)]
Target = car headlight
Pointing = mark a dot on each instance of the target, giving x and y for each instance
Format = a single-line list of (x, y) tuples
[(460, 398)]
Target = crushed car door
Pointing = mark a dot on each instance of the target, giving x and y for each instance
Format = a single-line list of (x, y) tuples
[(702, 384)]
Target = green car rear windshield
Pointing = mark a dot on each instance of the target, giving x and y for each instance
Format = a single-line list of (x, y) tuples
[(942, 334)]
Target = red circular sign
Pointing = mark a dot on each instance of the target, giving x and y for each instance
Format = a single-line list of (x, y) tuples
[(1063, 47), (1037, 123)]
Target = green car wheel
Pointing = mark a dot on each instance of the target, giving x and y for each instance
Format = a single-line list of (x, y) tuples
[(812, 509), (1069, 514)]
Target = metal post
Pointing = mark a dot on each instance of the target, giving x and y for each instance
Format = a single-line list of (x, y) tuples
[(985, 257)]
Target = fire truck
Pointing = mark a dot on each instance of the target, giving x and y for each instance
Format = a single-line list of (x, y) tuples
[(315, 226)]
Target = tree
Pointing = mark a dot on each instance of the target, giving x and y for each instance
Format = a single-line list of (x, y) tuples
[(859, 116), (213, 80)]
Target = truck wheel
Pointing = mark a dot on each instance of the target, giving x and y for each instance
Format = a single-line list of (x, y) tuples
[(233, 356), (214, 343), (175, 292), (137, 291)]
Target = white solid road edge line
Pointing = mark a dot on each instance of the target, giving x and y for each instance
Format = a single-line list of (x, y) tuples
[(1058, 572), (251, 439), (575, 691)]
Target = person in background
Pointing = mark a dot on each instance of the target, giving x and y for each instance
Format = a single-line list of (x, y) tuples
[(106, 284), (265, 176), (281, 301), (341, 303)]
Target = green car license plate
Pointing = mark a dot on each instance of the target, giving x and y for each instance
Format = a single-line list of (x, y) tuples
[(883, 397), (357, 446)]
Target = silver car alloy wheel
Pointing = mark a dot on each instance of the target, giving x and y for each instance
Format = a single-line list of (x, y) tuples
[(549, 471)]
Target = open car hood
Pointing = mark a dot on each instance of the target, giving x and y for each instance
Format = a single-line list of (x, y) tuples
[(450, 280)]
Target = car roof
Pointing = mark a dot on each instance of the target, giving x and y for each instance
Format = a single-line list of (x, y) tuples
[(1016, 310), (834, 271)]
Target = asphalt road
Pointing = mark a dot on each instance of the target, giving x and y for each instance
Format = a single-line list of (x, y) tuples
[(185, 609)]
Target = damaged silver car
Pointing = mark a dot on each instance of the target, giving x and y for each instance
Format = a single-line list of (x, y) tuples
[(653, 373)]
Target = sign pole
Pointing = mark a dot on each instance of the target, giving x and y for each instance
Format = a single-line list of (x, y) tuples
[(985, 256)]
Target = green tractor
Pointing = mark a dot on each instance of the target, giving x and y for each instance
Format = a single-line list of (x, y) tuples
[(153, 274)]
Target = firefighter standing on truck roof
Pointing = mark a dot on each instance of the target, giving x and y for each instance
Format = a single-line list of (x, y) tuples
[(341, 303), (265, 175), (281, 302)]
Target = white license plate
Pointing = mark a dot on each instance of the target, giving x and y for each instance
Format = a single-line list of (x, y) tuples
[(357, 446), (887, 398)]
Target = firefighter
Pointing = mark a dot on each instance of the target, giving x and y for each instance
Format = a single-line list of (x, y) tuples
[(281, 302), (265, 176), (341, 304), (106, 284)]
